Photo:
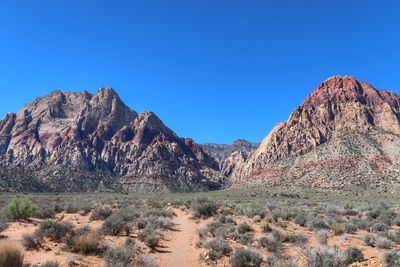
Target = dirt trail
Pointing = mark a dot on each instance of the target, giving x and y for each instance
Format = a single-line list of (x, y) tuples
[(180, 248)]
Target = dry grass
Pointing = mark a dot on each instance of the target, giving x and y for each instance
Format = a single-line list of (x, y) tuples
[(10, 255)]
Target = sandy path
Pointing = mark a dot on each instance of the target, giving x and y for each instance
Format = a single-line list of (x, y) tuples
[(180, 248)]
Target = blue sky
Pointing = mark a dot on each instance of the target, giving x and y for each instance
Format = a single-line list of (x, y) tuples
[(213, 70)]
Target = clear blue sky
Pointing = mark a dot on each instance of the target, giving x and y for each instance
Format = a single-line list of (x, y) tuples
[(214, 70)]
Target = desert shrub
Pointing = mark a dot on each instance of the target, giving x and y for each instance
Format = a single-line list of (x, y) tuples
[(394, 237), (216, 229), (279, 236), (383, 243), (88, 243), (369, 240), (380, 227), (71, 207), (101, 213), (120, 256), (246, 239), (266, 228), (361, 224), (204, 208), (392, 259), (350, 212), (50, 264), (280, 261), (226, 219), (150, 237), (3, 226), (285, 213), (319, 224), (244, 228), (113, 225), (245, 258), (19, 209), (322, 237), (251, 210), (271, 245), (326, 257), (54, 230), (352, 255), (396, 220), (32, 241), (71, 237), (46, 212), (350, 228), (152, 241), (257, 219), (301, 220), (10, 255), (338, 229), (141, 223), (218, 248), (296, 239), (147, 260), (160, 213), (161, 223)]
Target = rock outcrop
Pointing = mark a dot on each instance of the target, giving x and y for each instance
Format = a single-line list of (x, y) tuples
[(220, 152), (77, 141), (346, 132)]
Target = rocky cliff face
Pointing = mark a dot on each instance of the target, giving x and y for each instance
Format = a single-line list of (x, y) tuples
[(75, 141), (220, 152), (345, 132)]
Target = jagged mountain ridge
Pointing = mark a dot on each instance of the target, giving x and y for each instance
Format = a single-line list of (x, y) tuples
[(220, 152), (75, 141), (346, 132)]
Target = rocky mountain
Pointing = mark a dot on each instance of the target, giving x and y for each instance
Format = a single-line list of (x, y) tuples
[(220, 152), (345, 133), (78, 141)]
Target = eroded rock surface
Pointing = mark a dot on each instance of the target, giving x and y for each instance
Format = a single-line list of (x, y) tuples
[(77, 141)]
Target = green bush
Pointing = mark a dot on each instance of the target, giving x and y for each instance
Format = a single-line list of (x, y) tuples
[(19, 209)]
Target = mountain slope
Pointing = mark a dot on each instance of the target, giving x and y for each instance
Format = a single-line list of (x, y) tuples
[(77, 141), (220, 152), (346, 132)]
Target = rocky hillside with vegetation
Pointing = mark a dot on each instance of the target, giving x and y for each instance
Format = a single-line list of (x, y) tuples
[(78, 141), (345, 133)]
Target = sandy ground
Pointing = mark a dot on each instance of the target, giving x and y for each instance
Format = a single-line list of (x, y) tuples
[(180, 247)]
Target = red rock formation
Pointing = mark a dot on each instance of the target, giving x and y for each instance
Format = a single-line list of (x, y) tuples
[(341, 108), (69, 141)]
